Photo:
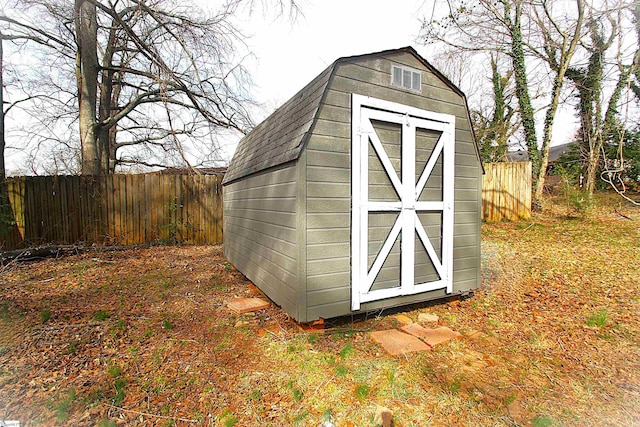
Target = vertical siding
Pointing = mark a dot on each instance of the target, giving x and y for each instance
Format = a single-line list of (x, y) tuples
[(260, 232), (328, 184)]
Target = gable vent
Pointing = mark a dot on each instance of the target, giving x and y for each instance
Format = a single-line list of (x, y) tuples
[(406, 78)]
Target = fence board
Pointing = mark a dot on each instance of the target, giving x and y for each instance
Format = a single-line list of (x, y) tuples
[(131, 209), (506, 191)]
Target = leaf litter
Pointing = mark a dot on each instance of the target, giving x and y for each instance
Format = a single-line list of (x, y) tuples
[(143, 337)]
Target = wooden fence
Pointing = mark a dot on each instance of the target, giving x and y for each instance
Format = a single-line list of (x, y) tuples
[(117, 209), (136, 209), (506, 191)]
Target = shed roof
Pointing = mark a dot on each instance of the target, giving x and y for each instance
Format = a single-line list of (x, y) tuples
[(280, 138)]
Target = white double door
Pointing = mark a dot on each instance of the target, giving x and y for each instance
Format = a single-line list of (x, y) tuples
[(402, 200)]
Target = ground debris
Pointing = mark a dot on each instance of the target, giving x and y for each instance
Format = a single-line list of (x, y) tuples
[(551, 339)]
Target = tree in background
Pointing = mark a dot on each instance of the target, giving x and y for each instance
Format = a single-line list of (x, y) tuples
[(487, 27), (601, 83), (141, 78), (546, 43), (558, 48), (494, 129)]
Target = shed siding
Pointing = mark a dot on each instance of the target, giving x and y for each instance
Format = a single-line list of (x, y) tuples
[(328, 184), (260, 236)]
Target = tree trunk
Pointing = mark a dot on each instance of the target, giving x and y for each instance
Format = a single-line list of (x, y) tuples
[(86, 27), (593, 166), (566, 54), (3, 172), (522, 88)]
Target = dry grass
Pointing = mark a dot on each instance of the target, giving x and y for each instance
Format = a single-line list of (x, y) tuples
[(143, 337)]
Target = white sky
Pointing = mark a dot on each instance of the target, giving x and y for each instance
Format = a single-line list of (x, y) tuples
[(288, 55)]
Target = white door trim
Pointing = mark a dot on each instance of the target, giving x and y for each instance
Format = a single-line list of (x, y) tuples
[(365, 109)]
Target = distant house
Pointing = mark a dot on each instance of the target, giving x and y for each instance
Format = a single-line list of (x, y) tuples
[(555, 152), (192, 171), (361, 192)]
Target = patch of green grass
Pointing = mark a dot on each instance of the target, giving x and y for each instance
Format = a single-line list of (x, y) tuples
[(119, 384), (45, 315), (455, 386), (119, 329), (114, 371), (494, 323), (101, 315), (166, 324), (4, 311), (295, 392), (73, 346), (597, 319), (362, 391), (166, 283), (228, 419), (341, 370), (94, 396), (427, 371), (300, 417), (347, 351), (106, 423), (312, 338), (63, 406), (542, 421)]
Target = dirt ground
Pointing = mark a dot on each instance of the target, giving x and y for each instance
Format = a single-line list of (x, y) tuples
[(143, 336)]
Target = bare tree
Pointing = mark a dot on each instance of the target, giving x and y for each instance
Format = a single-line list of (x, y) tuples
[(559, 46), (494, 129), (519, 29), (150, 75), (600, 84)]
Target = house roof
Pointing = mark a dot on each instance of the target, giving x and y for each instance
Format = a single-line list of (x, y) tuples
[(190, 171), (280, 138), (554, 153)]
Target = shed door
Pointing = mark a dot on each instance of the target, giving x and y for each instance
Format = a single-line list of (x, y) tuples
[(402, 200)]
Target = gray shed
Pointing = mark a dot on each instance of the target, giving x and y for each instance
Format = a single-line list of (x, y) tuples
[(361, 192)]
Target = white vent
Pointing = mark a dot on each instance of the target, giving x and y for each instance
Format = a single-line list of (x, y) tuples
[(406, 78)]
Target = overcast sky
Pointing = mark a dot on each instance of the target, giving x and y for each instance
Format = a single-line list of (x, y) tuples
[(288, 55)]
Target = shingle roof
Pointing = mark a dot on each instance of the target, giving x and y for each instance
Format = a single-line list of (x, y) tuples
[(280, 138)]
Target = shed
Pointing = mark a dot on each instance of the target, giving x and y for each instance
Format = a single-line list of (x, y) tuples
[(361, 192)]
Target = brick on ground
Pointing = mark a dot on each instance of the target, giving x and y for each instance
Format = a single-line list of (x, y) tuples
[(403, 319), (245, 305), (432, 337), (426, 318), (397, 343)]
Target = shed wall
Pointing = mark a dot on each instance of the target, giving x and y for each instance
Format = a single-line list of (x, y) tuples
[(260, 237), (328, 184)]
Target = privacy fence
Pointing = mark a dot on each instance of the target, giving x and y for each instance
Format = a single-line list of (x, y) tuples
[(137, 209), (117, 209), (506, 191)]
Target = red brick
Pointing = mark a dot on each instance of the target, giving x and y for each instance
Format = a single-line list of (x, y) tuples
[(245, 305), (432, 337), (397, 343)]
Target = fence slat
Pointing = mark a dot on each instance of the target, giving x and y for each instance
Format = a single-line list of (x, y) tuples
[(506, 191)]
